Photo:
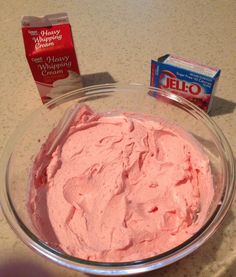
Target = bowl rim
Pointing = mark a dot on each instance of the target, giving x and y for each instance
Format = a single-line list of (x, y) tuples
[(119, 268)]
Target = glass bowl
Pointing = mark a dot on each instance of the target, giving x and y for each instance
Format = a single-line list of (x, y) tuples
[(27, 139)]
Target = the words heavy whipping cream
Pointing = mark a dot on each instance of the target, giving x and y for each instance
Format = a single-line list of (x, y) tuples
[(51, 55)]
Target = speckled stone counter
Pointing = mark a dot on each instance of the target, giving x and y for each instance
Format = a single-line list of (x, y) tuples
[(115, 41)]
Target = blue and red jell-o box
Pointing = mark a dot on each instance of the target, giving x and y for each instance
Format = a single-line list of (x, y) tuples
[(191, 80)]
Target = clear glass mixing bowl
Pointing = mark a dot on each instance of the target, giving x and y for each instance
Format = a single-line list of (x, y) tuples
[(25, 143)]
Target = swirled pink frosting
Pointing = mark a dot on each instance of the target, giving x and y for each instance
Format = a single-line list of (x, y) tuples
[(120, 187)]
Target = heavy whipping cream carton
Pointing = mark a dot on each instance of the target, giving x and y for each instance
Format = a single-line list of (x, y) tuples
[(51, 55), (191, 80)]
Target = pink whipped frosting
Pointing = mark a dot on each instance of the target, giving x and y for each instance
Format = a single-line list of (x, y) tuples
[(120, 187)]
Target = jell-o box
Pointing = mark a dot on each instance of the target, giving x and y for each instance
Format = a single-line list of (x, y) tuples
[(191, 80)]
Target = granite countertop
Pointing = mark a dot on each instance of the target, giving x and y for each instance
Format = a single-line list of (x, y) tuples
[(115, 40)]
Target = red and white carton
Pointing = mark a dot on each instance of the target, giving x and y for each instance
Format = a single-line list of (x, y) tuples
[(51, 55)]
